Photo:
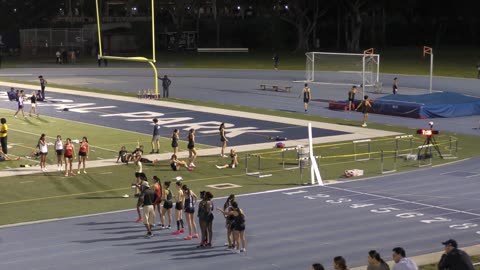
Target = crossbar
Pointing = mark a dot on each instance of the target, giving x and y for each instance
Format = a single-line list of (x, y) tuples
[(222, 50)]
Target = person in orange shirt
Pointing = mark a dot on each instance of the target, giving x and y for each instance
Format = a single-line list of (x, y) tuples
[(158, 190), (83, 154), (69, 155)]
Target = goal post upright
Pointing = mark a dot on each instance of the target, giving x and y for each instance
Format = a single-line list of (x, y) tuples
[(151, 62), (429, 50), (367, 53)]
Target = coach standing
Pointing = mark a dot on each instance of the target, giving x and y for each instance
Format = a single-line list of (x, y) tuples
[(3, 135), (165, 84)]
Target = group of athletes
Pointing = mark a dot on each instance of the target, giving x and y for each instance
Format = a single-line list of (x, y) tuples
[(162, 200), (65, 152)]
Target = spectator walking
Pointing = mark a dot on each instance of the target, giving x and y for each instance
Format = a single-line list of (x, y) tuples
[(3, 135), (375, 261), (454, 258), (165, 85), (401, 260), (275, 58), (364, 105), (395, 85), (43, 82), (12, 95), (339, 263), (155, 137), (351, 97), (64, 56)]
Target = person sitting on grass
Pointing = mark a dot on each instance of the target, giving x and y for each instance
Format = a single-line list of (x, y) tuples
[(5, 157), (233, 162), (122, 155), (175, 164)]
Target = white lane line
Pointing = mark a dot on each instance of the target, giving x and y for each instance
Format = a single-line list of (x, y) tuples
[(406, 201)]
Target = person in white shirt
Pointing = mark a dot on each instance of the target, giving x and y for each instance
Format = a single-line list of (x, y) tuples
[(59, 151), (401, 260)]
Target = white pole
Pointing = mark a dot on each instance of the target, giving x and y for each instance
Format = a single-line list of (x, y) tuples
[(431, 70), (314, 171), (363, 76)]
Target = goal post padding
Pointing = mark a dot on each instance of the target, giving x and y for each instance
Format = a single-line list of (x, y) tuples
[(348, 68)]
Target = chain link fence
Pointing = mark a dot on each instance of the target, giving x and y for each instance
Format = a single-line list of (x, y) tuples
[(47, 41)]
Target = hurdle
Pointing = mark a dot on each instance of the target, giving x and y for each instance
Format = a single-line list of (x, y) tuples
[(452, 148), (382, 163), (425, 159), (358, 143), (297, 164), (258, 172), (397, 145)]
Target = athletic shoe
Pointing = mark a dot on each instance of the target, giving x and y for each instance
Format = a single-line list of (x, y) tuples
[(225, 156), (192, 165), (236, 251), (219, 167), (84, 172), (152, 152), (226, 244), (158, 152), (169, 227), (72, 173), (229, 248), (177, 232), (208, 245), (364, 125), (149, 235), (195, 235), (138, 220), (15, 116), (188, 237), (182, 230), (161, 226), (243, 250), (78, 172)]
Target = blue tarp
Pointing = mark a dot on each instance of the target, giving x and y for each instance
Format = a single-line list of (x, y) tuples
[(434, 105)]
